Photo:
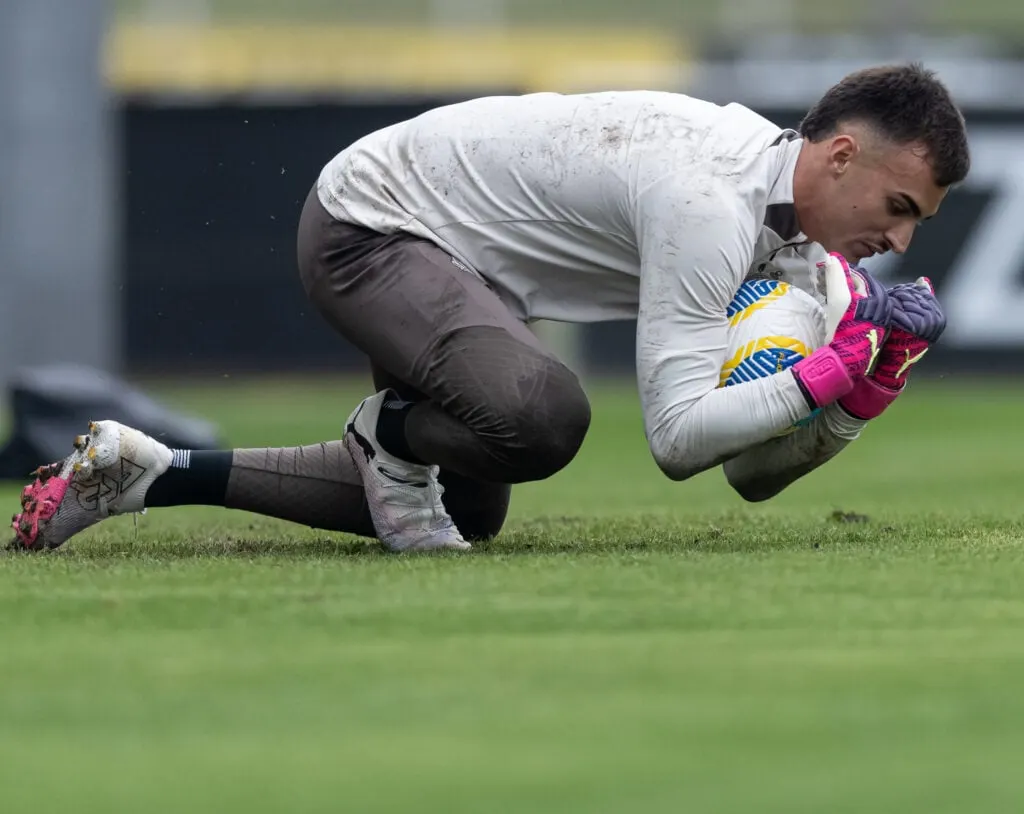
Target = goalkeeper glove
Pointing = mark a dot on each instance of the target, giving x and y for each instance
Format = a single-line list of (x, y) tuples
[(917, 323), (832, 371)]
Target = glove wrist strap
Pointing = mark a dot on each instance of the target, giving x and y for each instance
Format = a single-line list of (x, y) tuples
[(823, 377), (868, 399)]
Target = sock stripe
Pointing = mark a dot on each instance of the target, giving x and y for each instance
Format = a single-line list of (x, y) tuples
[(182, 458)]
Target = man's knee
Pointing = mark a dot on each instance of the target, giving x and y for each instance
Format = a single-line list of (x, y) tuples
[(525, 408), (543, 426)]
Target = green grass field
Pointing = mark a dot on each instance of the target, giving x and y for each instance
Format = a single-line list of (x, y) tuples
[(630, 644)]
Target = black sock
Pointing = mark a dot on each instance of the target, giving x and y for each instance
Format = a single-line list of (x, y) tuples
[(391, 429), (194, 478)]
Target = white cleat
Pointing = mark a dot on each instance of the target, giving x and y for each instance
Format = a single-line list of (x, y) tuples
[(109, 473), (404, 498)]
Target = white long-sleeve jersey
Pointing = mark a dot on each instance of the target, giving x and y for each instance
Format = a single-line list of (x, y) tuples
[(619, 205)]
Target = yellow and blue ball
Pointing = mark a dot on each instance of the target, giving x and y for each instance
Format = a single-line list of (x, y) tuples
[(772, 326)]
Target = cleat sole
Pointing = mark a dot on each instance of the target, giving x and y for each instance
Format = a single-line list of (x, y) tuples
[(42, 499)]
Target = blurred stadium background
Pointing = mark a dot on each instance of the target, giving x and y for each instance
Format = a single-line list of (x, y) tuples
[(155, 152)]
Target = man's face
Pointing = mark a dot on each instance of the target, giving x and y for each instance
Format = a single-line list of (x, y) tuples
[(876, 195)]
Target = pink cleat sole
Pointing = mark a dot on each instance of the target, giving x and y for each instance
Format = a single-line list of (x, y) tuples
[(39, 502), (41, 499)]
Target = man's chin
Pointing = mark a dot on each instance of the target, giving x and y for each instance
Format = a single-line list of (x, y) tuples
[(855, 253)]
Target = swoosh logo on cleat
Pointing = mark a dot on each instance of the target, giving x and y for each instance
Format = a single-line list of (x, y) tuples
[(398, 479)]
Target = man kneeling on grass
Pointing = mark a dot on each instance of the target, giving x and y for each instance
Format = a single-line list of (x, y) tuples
[(432, 243)]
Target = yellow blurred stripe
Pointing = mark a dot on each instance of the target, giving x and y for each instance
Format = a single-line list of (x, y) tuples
[(238, 58)]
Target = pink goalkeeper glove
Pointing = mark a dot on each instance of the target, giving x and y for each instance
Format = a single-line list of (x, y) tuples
[(917, 323), (831, 372)]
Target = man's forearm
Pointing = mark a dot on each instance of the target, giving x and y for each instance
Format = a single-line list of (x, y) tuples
[(763, 471)]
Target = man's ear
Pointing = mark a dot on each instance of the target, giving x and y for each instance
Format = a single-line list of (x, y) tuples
[(842, 149)]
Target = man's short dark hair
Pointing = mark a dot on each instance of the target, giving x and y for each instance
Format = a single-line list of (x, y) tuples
[(905, 104)]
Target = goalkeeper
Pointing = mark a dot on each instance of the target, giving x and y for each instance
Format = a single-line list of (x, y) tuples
[(432, 243)]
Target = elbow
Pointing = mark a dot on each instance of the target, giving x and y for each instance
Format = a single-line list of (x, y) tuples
[(671, 462), (754, 490), (674, 470)]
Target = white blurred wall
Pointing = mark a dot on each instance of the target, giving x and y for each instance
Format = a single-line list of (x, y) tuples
[(58, 298)]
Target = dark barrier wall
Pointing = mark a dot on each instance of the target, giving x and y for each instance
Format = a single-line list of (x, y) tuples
[(211, 198), (212, 193)]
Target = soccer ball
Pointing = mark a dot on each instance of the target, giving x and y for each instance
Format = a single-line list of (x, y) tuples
[(772, 326)]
